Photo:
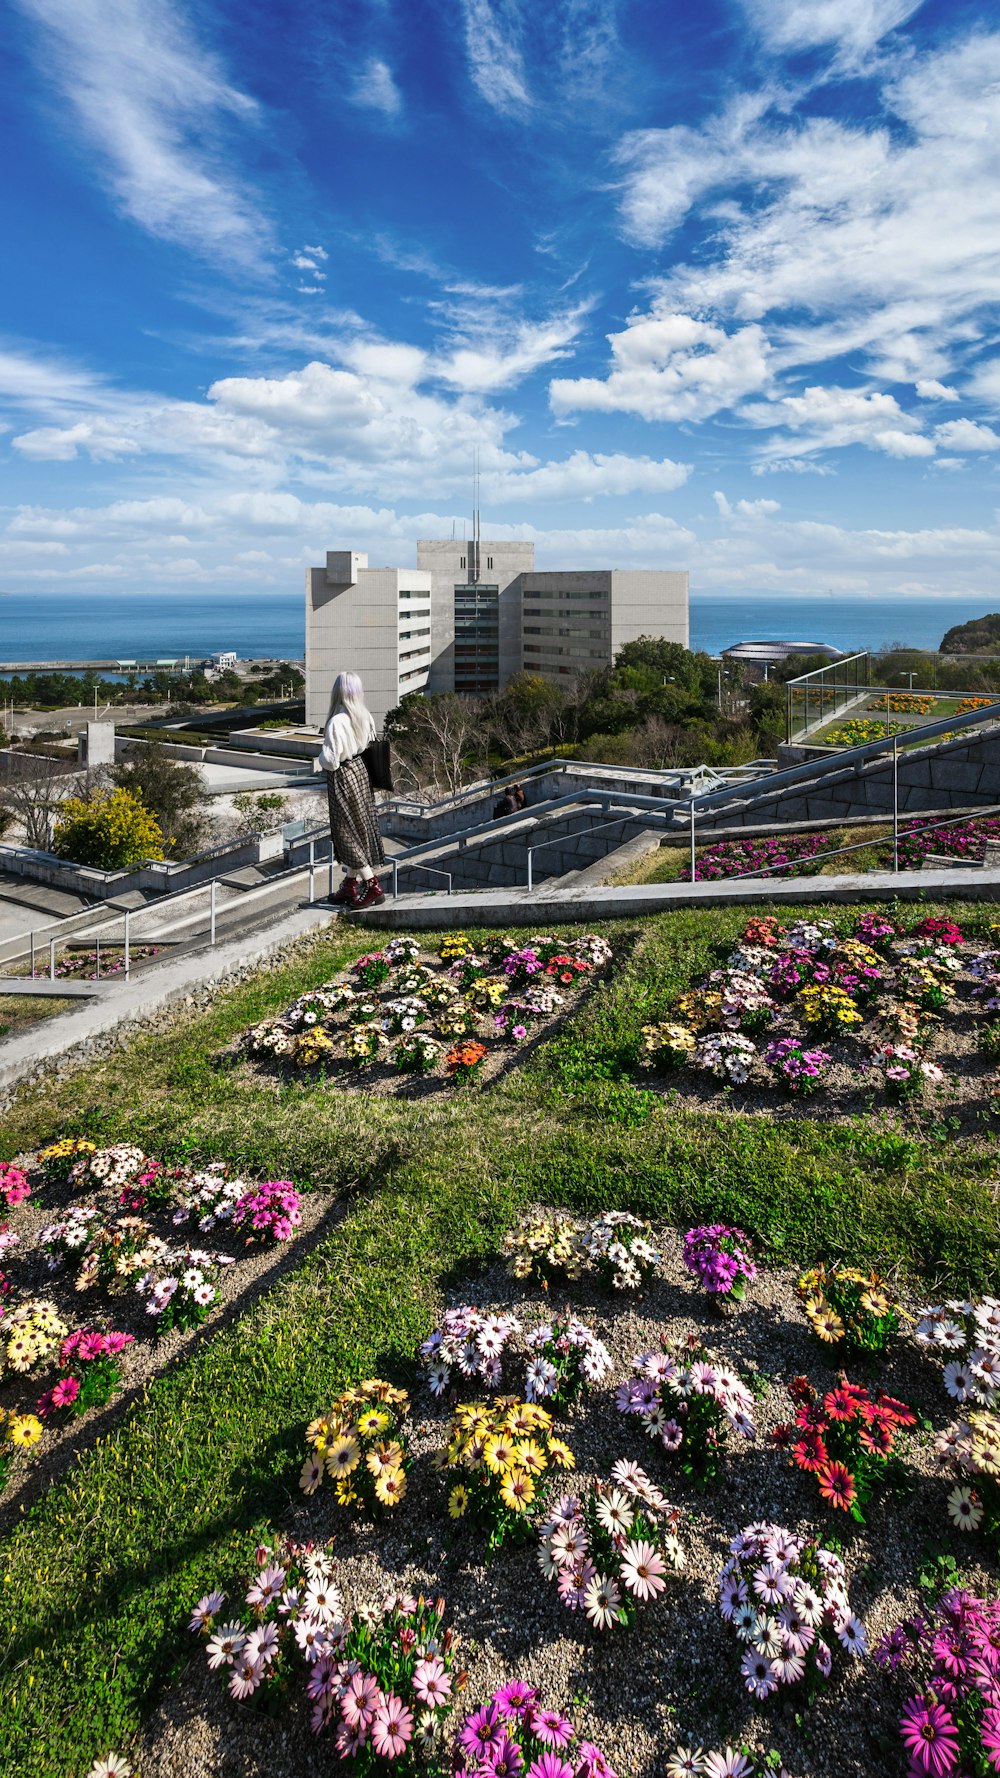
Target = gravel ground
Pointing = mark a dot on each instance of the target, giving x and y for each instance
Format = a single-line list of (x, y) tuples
[(676, 1676), (258, 1267)]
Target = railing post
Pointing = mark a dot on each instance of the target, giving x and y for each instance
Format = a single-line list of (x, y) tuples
[(895, 802), (692, 840), (32, 956), (395, 879), (52, 959), (128, 916), (530, 856), (211, 905), (312, 881), (329, 882), (98, 976)]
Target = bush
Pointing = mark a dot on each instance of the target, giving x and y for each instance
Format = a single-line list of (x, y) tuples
[(112, 832)]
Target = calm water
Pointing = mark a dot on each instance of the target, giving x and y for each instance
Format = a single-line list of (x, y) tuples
[(99, 626)]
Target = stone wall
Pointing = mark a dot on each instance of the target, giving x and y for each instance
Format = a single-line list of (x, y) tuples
[(502, 863)]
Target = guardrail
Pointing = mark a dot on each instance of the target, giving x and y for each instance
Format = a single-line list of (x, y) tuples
[(770, 870)]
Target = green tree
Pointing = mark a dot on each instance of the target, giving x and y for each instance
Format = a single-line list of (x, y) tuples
[(112, 831), (172, 791)]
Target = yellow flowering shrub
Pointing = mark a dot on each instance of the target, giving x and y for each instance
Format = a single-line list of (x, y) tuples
[(828, 1006), (699, 1007), (668, 1044), (501, 1454), (59, 1157), (359, 1444), (453, 946), (30, 1333), (543, 1248), (111, 832), (842, 1305), (314, 1046)]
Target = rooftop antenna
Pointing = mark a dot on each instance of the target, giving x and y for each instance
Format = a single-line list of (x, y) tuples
[(474, 555)]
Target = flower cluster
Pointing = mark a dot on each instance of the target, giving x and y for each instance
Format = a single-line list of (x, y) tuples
[(951, 1725), (828, 1007), (273, 1209), (363, 1043), (59, 1158), (668, 1044), (110, 1167), (18, 1432), (786, 1598), (565, 1356), (31, 1333), (360, 1444), (471, 1343), (544, 1248), (967, 1334), (846, 1439), (873, 928), (504, 1451), (800, 1069), (464, 1063), (842, 1304), (689, 1403), (727, 1762), (620, 1250), (974, 1444), (179, 1286), (91, 1372), (799, 855), (903, 1069), (727, 1055), (372, 969), (612, 1546), (416, 1053), (60, 1240), (383, 1680), (862, 729), (513, 1735), (14, 1184), (719, 1256), (453, 946), (209, 1195)]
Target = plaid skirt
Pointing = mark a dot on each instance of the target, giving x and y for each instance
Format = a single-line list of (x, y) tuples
[(353, 827)]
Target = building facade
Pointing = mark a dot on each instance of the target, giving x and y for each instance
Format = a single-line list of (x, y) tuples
[(470, 616)]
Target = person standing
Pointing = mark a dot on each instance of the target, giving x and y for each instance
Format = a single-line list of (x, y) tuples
[(354, 833)]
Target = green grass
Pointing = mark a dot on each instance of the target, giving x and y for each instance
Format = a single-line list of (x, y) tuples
[(100, 1575), (19, 1011)]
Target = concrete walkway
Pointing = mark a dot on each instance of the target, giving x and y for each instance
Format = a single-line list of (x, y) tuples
[(582, 903), (126, 1006)]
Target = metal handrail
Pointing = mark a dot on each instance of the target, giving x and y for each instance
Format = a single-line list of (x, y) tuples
[(850, 755), (429, 868)]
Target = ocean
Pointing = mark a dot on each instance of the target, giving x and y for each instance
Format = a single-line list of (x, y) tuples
[(103, 626)]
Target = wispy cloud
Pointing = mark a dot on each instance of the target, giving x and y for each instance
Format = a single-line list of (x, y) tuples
[(156, 104), (374, 88), (854, 26), (494, 49)]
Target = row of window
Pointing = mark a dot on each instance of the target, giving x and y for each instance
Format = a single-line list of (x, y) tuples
[(576, 654), (541, 630), (548, 593), (415, 673), (408, 635)]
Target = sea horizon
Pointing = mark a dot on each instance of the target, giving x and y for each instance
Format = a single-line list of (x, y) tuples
[(126, 625)]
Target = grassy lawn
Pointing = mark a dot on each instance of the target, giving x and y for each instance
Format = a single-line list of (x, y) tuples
[(18, 1011), (99, 1576)]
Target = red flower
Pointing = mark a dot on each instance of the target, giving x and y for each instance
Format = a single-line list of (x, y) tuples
[(877, 1439), (810, 1419), (811, 1454), (894, 1410), (800, 1389), (840, 1404), (836, 1484), (781, 1436)]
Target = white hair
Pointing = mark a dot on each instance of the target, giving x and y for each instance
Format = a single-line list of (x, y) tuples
[(347, 698)]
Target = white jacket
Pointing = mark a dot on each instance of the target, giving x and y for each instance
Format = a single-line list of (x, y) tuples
[(339, 744)]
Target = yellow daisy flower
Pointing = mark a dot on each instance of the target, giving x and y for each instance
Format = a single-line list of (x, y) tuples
[(458, 1501), (561, 1454), (24, 1430), (390, 1487), (517, 1491), (343, 1456), (384, 1458)]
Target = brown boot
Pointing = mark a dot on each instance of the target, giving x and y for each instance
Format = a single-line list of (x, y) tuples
[(372, 896), (347, 895)]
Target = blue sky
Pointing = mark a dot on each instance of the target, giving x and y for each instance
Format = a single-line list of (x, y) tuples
[(713, 286)]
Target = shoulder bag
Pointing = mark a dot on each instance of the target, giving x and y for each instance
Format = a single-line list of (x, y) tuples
[(378, 763)]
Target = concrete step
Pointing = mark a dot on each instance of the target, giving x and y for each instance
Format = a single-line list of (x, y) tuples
[(40, 897)]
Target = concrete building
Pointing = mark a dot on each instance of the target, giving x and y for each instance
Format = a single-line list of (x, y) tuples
[(471, 615)]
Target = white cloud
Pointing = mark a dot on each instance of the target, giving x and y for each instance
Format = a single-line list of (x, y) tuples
[(157, 107), (852, 25), (670, 366), (493, 47), (583, 477), (491, 349), (374, 88), (929, 389), (846, 238), (317, 252), (826, 418), (965, 435), (744, 509)]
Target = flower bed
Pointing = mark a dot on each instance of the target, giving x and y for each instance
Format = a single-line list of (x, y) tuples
[(444, 1016), (794, 855), (845, 1014), (107, 1231)]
